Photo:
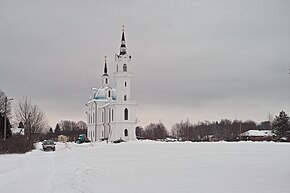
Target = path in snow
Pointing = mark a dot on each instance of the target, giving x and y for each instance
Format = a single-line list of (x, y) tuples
[(150, 167)]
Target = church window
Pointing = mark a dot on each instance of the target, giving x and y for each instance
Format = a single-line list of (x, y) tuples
[(109, 93), (125, 84), (126, 114), (106, 81), (125, 67), (112, 115), (125, 97), (126, 132)]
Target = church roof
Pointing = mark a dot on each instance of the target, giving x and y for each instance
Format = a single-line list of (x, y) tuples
[(102, 93)]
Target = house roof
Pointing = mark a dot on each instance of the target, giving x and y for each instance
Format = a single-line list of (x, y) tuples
[(16, 131), (258, 133)]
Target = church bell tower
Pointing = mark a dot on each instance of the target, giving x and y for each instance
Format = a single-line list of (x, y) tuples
[(123, 76), (125, 107)]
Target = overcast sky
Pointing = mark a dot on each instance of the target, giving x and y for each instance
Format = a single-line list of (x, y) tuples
[(201, 60)]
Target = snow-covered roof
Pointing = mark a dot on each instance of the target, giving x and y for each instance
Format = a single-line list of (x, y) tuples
[(101, 93), (16, 131), (258, 133)]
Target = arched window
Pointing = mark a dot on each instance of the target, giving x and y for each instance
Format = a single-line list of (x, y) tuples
[(109, 93), (125, 97), (112, 115), (106, 81), (126, 132), (125, 84), (125, 67), (126, 114)]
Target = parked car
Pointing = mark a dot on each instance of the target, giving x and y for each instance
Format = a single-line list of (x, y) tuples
[(48, 145)]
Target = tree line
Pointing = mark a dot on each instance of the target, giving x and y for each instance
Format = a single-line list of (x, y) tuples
[(68, 128), (224, 129)]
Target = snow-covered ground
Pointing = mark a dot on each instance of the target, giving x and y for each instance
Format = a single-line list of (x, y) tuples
[(146, 166)]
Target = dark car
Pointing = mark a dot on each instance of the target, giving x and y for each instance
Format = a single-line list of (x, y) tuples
[(48, 145)]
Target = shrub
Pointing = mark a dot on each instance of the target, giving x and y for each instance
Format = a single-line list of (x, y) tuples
[(15, 145)]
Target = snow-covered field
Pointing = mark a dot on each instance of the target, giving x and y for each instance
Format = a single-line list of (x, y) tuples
[(146, 166)]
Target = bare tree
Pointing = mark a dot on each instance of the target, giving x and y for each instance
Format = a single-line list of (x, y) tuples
[(82, 125), (155, 131), (270, 119), (182, 130), (67, 125), (30, 115)]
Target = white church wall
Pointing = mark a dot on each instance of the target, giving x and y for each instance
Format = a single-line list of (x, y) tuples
[(106, 117)]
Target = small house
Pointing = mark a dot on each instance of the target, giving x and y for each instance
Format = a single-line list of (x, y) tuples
[(62, 138), (258, 135)]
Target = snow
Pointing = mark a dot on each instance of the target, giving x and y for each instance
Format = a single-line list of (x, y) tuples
[(146, 166), (16, 131), (258, 133)]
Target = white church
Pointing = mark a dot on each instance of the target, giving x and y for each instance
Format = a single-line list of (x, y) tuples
[(111, 111)]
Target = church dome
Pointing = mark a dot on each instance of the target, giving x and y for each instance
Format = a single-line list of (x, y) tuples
[(104, 93), (100, 94)]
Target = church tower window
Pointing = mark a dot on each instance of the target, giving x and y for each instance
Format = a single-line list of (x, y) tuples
[(125, 97), (125, 84), (126, 132), (112, 115), (126, 114), (125, 67)]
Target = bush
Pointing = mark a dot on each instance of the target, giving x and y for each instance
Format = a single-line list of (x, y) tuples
[(15, 145)]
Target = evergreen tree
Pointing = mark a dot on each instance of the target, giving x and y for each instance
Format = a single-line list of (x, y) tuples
[(50, 130), (281, 124), (57, 129)]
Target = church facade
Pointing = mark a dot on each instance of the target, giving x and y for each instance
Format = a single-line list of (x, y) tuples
[(111, 112)]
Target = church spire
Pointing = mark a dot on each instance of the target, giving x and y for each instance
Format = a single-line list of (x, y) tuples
[(105, 77), (123, 43), (105, 68)]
